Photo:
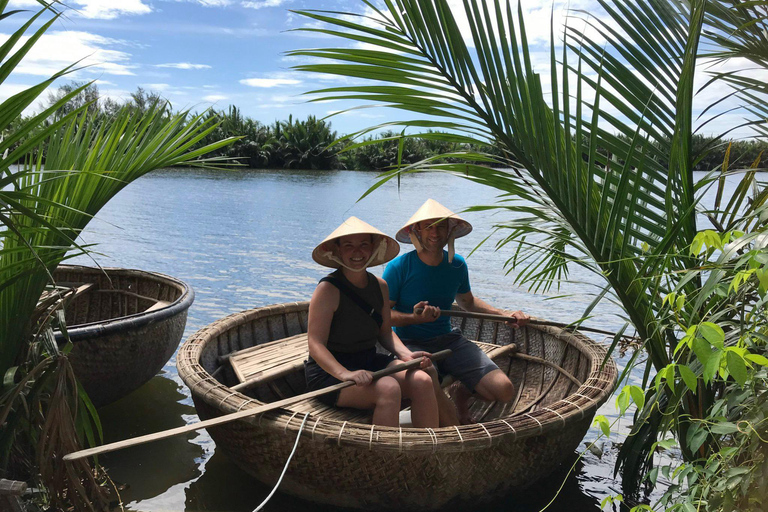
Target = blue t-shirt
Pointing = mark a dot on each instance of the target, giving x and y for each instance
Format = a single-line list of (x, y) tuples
[(410, 281)]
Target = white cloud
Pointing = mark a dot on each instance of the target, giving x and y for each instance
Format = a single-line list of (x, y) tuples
[(213, 98), (96, 9), (157, 87), (263, 3), (183, 65), (214, 3), (57, 50), (269, 82)]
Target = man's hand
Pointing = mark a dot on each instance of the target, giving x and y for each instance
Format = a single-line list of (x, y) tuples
[(520, 319), (423, 312)]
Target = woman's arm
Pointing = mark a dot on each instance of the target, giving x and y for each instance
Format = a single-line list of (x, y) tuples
[(325, 302)]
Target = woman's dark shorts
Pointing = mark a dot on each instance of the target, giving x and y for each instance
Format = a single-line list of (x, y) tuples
[(467, 362), (317, 378)]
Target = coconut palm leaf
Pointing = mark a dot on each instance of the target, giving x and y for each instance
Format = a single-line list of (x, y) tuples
[(588, 153)]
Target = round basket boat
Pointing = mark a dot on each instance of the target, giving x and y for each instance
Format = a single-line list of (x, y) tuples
[(343, 460), (124, 325)]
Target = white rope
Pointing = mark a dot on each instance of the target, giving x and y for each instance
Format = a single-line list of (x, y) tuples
[(274, 489), (461, 438), (338, 441)]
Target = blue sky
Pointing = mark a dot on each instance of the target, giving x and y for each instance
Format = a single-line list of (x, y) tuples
[(199, 53)]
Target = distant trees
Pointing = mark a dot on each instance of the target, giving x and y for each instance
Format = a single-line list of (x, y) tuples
[(308, 144)]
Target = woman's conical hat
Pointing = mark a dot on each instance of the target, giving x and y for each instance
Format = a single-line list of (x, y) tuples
[(384, 247), (432, 210)]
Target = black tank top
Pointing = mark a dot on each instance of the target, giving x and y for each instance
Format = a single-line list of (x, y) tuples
[(352, 329)]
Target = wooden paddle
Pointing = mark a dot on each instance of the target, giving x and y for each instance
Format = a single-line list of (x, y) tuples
[(245, 413), (533, 321)]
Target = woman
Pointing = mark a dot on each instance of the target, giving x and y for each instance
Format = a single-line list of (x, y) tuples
[(347, 317)]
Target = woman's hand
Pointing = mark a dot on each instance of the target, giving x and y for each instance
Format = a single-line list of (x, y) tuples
[(425, 363), (361, 377)]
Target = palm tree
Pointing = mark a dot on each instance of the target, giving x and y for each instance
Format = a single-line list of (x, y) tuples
[(597, 173), (73, 164)]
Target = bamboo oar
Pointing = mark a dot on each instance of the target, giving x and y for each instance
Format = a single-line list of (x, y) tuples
[(533, 321), (119, 445)]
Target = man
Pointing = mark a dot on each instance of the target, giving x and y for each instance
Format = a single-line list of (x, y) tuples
[(428, 279)]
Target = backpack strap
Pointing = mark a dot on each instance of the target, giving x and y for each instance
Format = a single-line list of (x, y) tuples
[(357, 299)]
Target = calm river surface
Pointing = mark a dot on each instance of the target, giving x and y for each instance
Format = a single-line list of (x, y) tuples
[(243, 239)]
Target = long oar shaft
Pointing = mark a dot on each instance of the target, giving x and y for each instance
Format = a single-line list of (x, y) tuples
[(532, 321), (119, 445)]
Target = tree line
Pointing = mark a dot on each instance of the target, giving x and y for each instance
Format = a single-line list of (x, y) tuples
[(312, 144)]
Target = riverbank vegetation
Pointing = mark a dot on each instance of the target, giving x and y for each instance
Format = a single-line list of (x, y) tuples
[(58, 168), (312, 144), (596, 170)]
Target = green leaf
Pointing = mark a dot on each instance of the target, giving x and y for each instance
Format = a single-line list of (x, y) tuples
[(695, 437), (602, 421), (712, 366), (724, 428), (637, 396), (713, 333), (688, 377), (736, 367), (622, 401), (703, 350), (757, 358)]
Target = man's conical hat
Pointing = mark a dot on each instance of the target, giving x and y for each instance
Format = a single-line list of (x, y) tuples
[(432, 210), (384, 247)]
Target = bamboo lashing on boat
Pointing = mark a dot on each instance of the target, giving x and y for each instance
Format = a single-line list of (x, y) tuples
[(511, 319), (246, 413)]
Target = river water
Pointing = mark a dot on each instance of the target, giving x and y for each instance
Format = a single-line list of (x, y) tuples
[(243, 239)]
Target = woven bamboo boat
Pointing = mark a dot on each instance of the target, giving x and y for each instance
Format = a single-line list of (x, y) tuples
[(124, 324), (343, 460)]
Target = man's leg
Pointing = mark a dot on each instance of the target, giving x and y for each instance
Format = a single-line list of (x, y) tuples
[(496, 386)]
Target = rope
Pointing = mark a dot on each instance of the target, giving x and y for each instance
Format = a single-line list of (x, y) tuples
[(274, 489)]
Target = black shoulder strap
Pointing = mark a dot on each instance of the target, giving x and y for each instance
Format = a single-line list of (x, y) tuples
[(346, 290)]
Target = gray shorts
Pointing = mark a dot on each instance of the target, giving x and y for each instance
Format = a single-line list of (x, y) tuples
[(467, 363)]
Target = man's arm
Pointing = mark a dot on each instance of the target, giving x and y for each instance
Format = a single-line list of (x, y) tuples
[(468, 302)]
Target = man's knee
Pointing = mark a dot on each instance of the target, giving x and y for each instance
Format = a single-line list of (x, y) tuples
[(505, 391), (496, 386)]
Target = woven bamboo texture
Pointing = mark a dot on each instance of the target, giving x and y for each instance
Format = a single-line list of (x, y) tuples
[(344, 460), (117, 344)]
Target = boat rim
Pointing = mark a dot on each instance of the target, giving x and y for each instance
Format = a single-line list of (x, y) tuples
[(589, 396), (106, 327)]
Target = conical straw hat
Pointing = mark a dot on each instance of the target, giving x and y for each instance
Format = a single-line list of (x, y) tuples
[(432, 210), (384, 247)]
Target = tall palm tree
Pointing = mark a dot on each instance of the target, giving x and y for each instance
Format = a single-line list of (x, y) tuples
[(583, 182)]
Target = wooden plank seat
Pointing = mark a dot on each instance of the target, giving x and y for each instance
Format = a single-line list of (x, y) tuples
[(269, 361)]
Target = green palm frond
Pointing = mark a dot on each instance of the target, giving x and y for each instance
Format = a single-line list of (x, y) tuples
[(600, 166)]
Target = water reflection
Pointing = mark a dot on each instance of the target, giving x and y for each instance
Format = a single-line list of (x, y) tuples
[(149, 470), (224, 487)]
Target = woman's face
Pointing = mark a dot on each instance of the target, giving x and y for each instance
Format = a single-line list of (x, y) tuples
[(355, 250)]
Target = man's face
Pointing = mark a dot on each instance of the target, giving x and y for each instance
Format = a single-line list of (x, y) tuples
[(434, 235)]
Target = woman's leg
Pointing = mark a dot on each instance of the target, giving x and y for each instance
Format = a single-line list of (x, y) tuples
[(445, 407), (417, 385), (383, 396)]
